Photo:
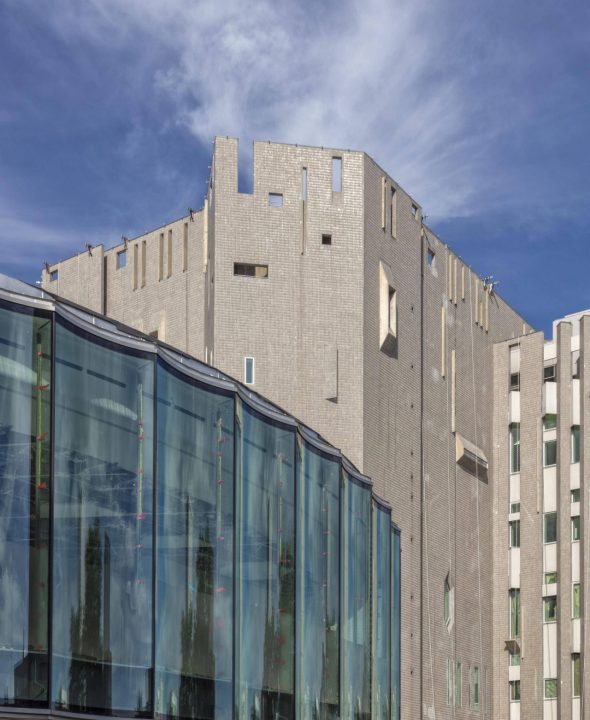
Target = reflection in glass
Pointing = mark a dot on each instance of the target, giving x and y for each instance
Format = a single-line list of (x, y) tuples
[(194, 600), (264, 567), (318, 588), (382, 612), (25, 418), (102, 549), (356, 631), (395, 624)]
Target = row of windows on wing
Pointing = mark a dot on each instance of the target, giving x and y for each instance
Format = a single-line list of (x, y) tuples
[(549, 444), (549, 374)]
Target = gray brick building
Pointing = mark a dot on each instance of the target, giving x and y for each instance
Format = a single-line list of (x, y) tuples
[(325, 290)]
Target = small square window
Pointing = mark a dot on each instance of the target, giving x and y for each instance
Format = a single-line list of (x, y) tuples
[(575, 495), (550, 578), (249, 370), (549, 422), (326, 239), (550, 688), (121, 259), (53, 275), (549, 373), (550, 609), (275, 199), (515, 507)]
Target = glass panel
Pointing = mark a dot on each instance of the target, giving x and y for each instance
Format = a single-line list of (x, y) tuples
[(515, 690), (515, 447), (549, 422), (514, 533), (575, 443), (550, 608), (264, 567), (575, 495), (576, 528), (382, 614), (550, 688), (576, 675), (515, 613), (102, 549), (550, 527), (395, 626), (549, 578), (318, 588), (194, 591), (25, 423), (357, 601), (576, 600), (550, 452), (458, 685)]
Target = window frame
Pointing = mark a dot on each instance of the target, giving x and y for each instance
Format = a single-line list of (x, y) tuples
[(252, 381)]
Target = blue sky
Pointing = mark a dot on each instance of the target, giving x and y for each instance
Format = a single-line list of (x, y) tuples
[(481, 110)]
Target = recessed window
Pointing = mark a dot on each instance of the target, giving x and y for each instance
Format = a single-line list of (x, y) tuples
[(575, 495), (414, 210), (576, 675), (514, 527), (550, 688), (550, 527), (576, 600), (250, 270), (326, 239), (336, 174), (576, 528), (249, 370), (53, 275), (550, 578), (430, 256), (549, 373), (515, 507), (514, 613), (550, 608), (121, 259), (275, 200), (515, 690), (387, 311), (549, 422), (515, 447), (549, 453), (514, 659), (575, 444), (447, 601), (515, 381), (304, 183), (475, 683), (458, 684)]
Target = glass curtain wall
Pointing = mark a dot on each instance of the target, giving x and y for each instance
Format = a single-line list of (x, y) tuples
[(25, 452), (194, 546), (102, 530), (396, 619), (318, 583), (381, 612), (356, 631), (265, 567)]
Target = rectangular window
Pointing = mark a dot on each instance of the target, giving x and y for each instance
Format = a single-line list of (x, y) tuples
[(383, 201), (336, 174), (53, 275), (185, 247), (515, 507), (550, 527), (161, 257), (576, 600), (515, 381), (326, 239), (447, 601), (514, 526), (550, 578), (515, 447), (121, 259), (143, 261), (576, 528), (549, 422), (550, 688), (275, 200), (450, 681), (514, 613), (249, 370), (415, 210), (393, 214), (169, 264), (250, 270), (575, 495), (575, 443), (576, 675), (514, 690), (430, 257), (135, 264), (475, 681), (304, 183), (550, 609), (549, 373), (515, 659), (392, 312), (549, 453), (458, 685)]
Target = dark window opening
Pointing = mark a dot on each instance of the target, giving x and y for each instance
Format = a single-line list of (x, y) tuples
[(549, 373), (430, 257), (53, 275), (249, 270), (515, 381), (326, 239)]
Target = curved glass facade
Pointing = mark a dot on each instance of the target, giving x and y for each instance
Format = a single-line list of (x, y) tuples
[(173, 546)]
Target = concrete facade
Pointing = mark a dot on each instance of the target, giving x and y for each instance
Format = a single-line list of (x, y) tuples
[(357, 310)]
